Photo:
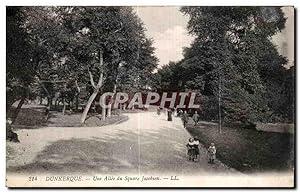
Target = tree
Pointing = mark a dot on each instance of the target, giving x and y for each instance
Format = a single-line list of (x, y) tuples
[(119, 40), (226, 60), (88, 44), (137, 75), (20, 68), (138, 58), (99, 39)]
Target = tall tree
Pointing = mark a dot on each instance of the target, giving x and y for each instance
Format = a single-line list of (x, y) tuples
[(100, 39), (20, 69), (89, 44), (230, 57)]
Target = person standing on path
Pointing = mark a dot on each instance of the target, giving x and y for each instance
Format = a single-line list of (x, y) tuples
[(191, 149), (196, 144), (212, 153), (185, 118), (175, 112), (196, 118), (169, 114), (158, 111), (180, 113)]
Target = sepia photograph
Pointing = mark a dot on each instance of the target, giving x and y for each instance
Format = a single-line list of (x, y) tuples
[(150, 96)]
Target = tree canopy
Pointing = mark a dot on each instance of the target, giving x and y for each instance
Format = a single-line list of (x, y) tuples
[(233, 53), (64, 49)]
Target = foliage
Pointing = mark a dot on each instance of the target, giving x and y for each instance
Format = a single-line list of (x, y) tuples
[(233, 52), (59, 50), (19, 66)]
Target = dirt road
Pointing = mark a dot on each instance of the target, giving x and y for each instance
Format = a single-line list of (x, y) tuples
[(146, 143)]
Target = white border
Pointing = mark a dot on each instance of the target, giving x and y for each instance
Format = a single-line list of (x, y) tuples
[(114, 2)]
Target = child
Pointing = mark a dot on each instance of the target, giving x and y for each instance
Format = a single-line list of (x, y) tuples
[(196, 118), (191, 149), (212, 153)]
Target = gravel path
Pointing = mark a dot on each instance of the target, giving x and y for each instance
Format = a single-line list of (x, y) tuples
[(145, 144)]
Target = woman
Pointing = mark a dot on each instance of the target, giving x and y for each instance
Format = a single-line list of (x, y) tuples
[(191, 149), (185, 118), (169, 115), (196, 145), (175, 112)]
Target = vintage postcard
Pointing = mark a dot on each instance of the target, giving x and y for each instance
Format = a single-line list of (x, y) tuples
[(150, 96)]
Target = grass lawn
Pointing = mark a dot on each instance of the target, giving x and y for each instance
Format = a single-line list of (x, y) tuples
[(31, 116), (57, 119), (247, 150), (34, 117)]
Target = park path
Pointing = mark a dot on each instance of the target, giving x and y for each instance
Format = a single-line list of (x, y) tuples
[(145, 144)]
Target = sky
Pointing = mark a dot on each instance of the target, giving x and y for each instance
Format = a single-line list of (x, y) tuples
[(285, 40), (166, 25)]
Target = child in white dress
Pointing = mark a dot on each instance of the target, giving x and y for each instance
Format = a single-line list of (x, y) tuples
[(212, 150)]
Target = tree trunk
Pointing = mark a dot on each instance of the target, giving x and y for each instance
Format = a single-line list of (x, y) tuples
[(64, 99), (109, 109), (96, 88), (45, 89), (219, 101), (76, 102), (55, 103), (49, 102), (16, 112), (88, 105), (103, 114), (111, 101), (64, 106), (77, 96)]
